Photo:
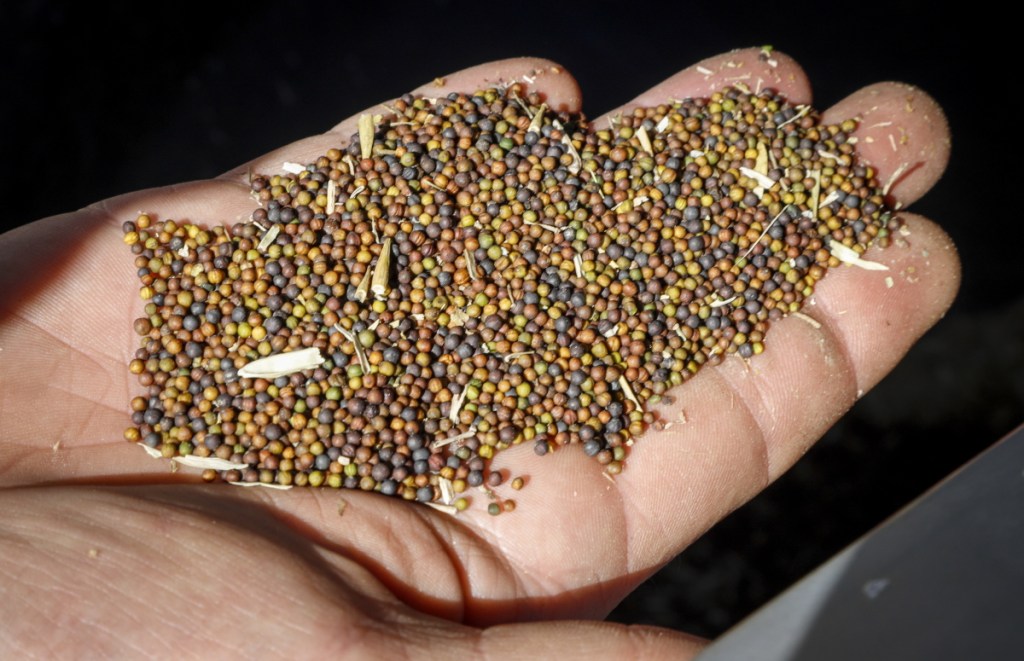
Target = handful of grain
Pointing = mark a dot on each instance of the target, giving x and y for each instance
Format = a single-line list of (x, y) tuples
[(478, 271)]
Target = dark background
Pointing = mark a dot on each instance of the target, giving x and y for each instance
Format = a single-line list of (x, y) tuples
[(97, 100)]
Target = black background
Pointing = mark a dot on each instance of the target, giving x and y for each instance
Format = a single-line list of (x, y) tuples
[(101, 99)]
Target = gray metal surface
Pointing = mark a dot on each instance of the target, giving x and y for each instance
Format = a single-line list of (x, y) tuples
[(942, 579)]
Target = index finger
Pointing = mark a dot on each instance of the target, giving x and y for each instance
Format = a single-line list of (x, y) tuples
[(543, 76)]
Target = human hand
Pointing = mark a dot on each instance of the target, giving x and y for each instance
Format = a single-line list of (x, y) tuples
[(104, 551)]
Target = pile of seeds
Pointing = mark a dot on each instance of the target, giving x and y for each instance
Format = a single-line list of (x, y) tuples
[(477, 271)]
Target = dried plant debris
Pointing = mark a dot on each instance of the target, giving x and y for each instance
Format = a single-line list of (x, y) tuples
[(282, 364), (480, 270)]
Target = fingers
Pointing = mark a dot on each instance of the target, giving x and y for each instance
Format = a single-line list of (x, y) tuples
[(877, 316), (559, 88), (737, 427), (544, 76), (902, 132), (750, 67)]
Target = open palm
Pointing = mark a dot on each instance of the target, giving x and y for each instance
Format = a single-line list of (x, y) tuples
[(104, 549)]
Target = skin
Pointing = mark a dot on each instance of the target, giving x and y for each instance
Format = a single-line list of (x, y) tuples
[(103, 550)]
